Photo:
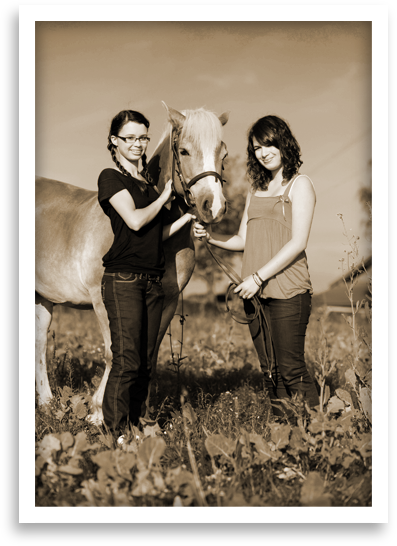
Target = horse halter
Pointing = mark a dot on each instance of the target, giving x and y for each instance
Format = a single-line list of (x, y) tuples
[(187, 194)]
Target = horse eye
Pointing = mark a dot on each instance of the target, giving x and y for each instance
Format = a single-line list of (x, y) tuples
[(183, 152)]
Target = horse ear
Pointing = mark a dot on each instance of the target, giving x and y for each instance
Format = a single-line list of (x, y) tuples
[(176, 118), (224, 118)]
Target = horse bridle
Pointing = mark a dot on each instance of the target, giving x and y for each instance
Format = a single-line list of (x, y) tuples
[(187, 194)]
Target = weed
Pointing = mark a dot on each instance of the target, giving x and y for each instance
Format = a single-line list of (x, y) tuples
[(359, 377), (212, 441)]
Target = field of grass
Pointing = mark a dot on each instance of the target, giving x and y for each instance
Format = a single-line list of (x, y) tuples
[(211, 440)]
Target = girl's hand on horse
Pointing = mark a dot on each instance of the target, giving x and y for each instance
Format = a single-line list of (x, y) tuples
[(166, 195), (247, 289), (200, 232), (188, 217)]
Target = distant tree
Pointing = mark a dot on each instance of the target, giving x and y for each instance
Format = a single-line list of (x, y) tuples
[(236, 188), (365, 194)]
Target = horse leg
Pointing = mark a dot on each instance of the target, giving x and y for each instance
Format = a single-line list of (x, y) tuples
[(168, 313), (43, 320), (100, 310)]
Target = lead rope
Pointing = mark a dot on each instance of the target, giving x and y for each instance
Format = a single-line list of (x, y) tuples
[(258, 314), (236, 280)]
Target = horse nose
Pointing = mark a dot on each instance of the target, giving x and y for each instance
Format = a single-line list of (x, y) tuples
[(221, 213), (207, 205)]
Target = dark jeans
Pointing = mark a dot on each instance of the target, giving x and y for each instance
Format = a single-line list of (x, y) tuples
[(287, 320), (134, 306)]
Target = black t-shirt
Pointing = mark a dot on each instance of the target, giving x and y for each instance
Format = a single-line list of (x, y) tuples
[(132, 251)]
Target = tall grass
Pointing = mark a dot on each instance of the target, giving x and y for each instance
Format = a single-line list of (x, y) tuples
[(212, 440)]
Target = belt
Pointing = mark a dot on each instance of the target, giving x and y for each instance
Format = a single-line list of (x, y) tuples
[(147, 277), (142, 276)]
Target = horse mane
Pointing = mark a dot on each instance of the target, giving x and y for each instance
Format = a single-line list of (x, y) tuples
[(202, 128)]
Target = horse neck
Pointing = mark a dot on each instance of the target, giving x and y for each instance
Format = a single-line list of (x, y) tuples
[(160, 164), (160, 168)]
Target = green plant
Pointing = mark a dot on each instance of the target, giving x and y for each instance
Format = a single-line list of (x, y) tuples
[(216, 445), (325, 366), (359, 377), (67, 411)]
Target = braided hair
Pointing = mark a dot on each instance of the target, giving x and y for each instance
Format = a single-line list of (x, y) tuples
[(116, 125), (272, 131)]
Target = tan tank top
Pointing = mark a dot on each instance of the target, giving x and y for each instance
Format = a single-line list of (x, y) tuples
[(269, 228)]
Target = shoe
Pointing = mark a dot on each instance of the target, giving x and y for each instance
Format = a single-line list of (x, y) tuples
[(121, 440)]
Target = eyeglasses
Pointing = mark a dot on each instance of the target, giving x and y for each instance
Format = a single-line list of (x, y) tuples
[(131, 139)]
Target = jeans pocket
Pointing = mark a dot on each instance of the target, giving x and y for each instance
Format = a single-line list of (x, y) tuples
[(155, 287)]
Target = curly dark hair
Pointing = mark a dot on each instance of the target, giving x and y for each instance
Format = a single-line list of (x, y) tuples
[(116, 125), (272, 131)]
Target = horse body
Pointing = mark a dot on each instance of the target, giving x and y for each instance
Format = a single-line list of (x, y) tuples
[(73, 234)]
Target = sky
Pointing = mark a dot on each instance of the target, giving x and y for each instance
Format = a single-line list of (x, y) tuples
[(315, 75)]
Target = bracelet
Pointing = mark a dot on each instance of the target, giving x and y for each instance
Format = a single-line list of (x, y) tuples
[(257, 280), (259, 277)]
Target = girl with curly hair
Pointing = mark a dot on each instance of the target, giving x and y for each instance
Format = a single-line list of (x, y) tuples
[(273, 234)]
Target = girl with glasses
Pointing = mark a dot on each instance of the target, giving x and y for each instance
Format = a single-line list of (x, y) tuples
[(273, 234), (134, 265)]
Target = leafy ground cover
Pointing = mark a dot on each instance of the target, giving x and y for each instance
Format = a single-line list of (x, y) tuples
[(211, 439)]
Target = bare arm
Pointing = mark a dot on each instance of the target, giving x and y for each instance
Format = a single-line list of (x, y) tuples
[(235, 243), (168, 231), (303, 200), (135, 218)]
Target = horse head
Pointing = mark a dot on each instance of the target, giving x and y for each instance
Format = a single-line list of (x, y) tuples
[(191, 152)]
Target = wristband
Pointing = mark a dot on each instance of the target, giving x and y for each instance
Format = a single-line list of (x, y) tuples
[(256, 278)]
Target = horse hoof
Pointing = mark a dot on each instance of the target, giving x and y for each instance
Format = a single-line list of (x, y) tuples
[(95, 418), (44, 399)]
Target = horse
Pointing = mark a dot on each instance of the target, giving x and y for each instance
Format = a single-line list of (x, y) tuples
[(73, 234)]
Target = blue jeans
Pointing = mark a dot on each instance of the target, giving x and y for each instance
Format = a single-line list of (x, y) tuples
[(134, 305), (287, 320)]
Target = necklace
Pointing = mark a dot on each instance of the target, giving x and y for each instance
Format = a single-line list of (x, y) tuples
[(283, 180)]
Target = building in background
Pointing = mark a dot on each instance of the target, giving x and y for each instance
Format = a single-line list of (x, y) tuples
[(336, 298)]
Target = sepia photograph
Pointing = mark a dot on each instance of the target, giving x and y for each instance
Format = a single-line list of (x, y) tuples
[(202, 241)]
